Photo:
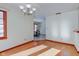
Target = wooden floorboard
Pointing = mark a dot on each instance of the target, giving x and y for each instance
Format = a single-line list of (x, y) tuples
[(66, 50)]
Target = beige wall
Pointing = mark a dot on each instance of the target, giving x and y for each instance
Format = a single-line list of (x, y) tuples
[(61, 27), (19, 27)]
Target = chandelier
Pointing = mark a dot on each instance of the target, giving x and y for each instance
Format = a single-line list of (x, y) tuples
[(27, 9)]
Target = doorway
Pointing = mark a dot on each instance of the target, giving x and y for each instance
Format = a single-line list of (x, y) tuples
[(39, 30)]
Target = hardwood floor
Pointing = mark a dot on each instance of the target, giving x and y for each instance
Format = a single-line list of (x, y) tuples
[(66, 50)]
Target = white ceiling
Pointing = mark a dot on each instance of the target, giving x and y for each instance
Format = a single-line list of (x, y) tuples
[(46, 9)]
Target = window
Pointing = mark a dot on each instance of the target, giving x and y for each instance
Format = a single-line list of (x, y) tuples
[(3, 24)]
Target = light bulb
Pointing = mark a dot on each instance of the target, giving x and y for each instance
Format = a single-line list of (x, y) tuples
[(31, 12), (34, 9), (24, 11), (21, 7), (28, 6)]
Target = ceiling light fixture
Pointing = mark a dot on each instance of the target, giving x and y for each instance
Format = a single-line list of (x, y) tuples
[(24, 10), (27, 9), (31, 12), (34, 9), (28, 6), (21, 7)]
